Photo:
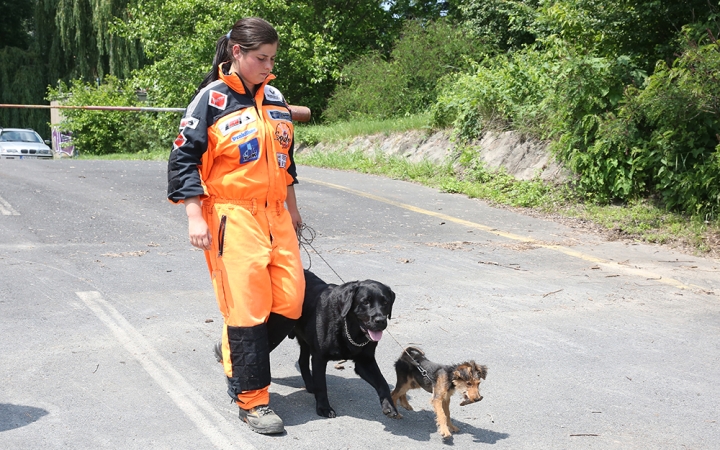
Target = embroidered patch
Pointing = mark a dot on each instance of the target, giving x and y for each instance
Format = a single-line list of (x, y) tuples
[(282, 160), (273, 94), (249, 151), (228, 125), (279, 115), (217, 99), (246, 133), (180, 140), (283, 135), (188, 122)]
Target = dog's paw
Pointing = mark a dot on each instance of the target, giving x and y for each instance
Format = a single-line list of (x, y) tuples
[(326, 412), (389, 409)]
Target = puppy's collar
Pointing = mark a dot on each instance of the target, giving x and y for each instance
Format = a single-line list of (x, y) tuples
[(347, 335)]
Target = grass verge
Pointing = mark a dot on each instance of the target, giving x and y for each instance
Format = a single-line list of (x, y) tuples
[(156, 155), (314, 134)]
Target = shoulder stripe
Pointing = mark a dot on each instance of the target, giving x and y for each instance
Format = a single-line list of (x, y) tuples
[(196, 101)]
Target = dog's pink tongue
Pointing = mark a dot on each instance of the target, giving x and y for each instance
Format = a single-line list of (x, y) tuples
[(375, 335)]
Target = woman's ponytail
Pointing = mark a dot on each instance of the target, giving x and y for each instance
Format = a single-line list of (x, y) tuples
[(221, 56)]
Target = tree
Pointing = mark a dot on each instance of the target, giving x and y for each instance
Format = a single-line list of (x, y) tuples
[(86, 36), (645, 30), (317, 37), (423, 10), (15, 23), (45, 41), (504, 23)]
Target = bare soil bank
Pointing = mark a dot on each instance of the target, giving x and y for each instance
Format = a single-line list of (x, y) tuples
[(523, 158)]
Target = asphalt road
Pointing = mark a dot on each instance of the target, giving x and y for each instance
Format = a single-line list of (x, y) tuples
[(107, 320)]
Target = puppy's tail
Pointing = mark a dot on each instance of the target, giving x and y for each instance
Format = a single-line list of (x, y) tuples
[(413, 352)]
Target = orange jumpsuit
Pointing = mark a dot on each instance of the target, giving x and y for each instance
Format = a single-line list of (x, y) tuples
[(236, 153)]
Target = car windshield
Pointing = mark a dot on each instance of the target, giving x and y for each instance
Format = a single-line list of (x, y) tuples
[(19, 136)]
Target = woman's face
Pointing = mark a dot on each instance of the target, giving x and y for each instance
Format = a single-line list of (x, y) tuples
[(255, 65)]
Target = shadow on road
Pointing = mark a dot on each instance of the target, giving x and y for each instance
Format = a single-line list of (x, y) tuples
[(16, 416), (355, 398)]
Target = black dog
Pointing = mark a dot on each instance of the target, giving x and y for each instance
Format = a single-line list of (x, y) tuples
[(343, 322)]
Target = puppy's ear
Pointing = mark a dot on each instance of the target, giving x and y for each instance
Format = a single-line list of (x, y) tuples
[(346, 295), (482, 370)]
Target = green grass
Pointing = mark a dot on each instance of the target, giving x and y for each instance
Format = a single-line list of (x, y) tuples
[(156, 155), (313, 134)]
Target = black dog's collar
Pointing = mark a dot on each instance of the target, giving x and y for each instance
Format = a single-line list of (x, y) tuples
[(347, 334)]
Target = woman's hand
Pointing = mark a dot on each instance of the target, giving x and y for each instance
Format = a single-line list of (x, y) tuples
[(292, 208), (198, 229)]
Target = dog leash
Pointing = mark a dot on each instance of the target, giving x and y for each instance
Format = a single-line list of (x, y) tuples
[(420, 369), (306, 235)]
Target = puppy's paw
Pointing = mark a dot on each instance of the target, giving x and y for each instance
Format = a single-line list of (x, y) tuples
[(445, 432), (453, 428), (326, 412), (404, 403)]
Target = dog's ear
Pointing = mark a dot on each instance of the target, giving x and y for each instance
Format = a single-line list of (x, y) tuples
[(482, 370), (391, 297), (345, 297)]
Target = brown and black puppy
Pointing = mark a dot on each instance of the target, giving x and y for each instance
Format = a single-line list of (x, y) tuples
[(343, 322), (440, 380)]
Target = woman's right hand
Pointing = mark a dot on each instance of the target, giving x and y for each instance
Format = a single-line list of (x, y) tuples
[(198, 230)]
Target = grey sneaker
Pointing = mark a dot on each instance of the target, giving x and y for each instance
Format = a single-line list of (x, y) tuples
[(262, 420)]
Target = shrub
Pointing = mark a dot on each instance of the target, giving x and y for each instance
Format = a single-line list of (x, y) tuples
[(406, 83), (665, 139), (109, 132)]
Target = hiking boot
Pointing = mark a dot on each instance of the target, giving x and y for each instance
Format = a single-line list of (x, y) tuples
[(262, 420), (217, 348)]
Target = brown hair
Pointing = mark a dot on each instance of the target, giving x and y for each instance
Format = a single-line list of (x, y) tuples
[(249, 33)]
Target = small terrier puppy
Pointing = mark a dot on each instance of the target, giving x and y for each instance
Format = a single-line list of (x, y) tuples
[(440, 380)]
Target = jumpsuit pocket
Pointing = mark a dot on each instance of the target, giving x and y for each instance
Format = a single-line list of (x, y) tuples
[(221, 235), (217, 281)]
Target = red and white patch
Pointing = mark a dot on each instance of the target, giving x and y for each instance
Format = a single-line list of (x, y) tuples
[(188, 122), (217, 99), (180, 140)]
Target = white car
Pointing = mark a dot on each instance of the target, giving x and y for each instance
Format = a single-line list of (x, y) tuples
[(21, 143)]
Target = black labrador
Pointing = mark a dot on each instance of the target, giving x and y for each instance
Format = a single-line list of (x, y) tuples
[(343, 322)]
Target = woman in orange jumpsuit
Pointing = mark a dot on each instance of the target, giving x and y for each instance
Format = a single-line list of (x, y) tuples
[(232, 166)]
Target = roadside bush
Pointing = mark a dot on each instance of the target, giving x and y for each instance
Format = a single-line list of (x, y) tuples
[(504, 93), (665, 139), (407, 82), (506, 24), (109, 132)]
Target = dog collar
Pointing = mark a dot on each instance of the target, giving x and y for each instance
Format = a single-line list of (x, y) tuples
[(347, 334)]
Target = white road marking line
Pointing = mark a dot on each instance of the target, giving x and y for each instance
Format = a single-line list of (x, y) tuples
[(612, 265), (211, 423), (6, 209)]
